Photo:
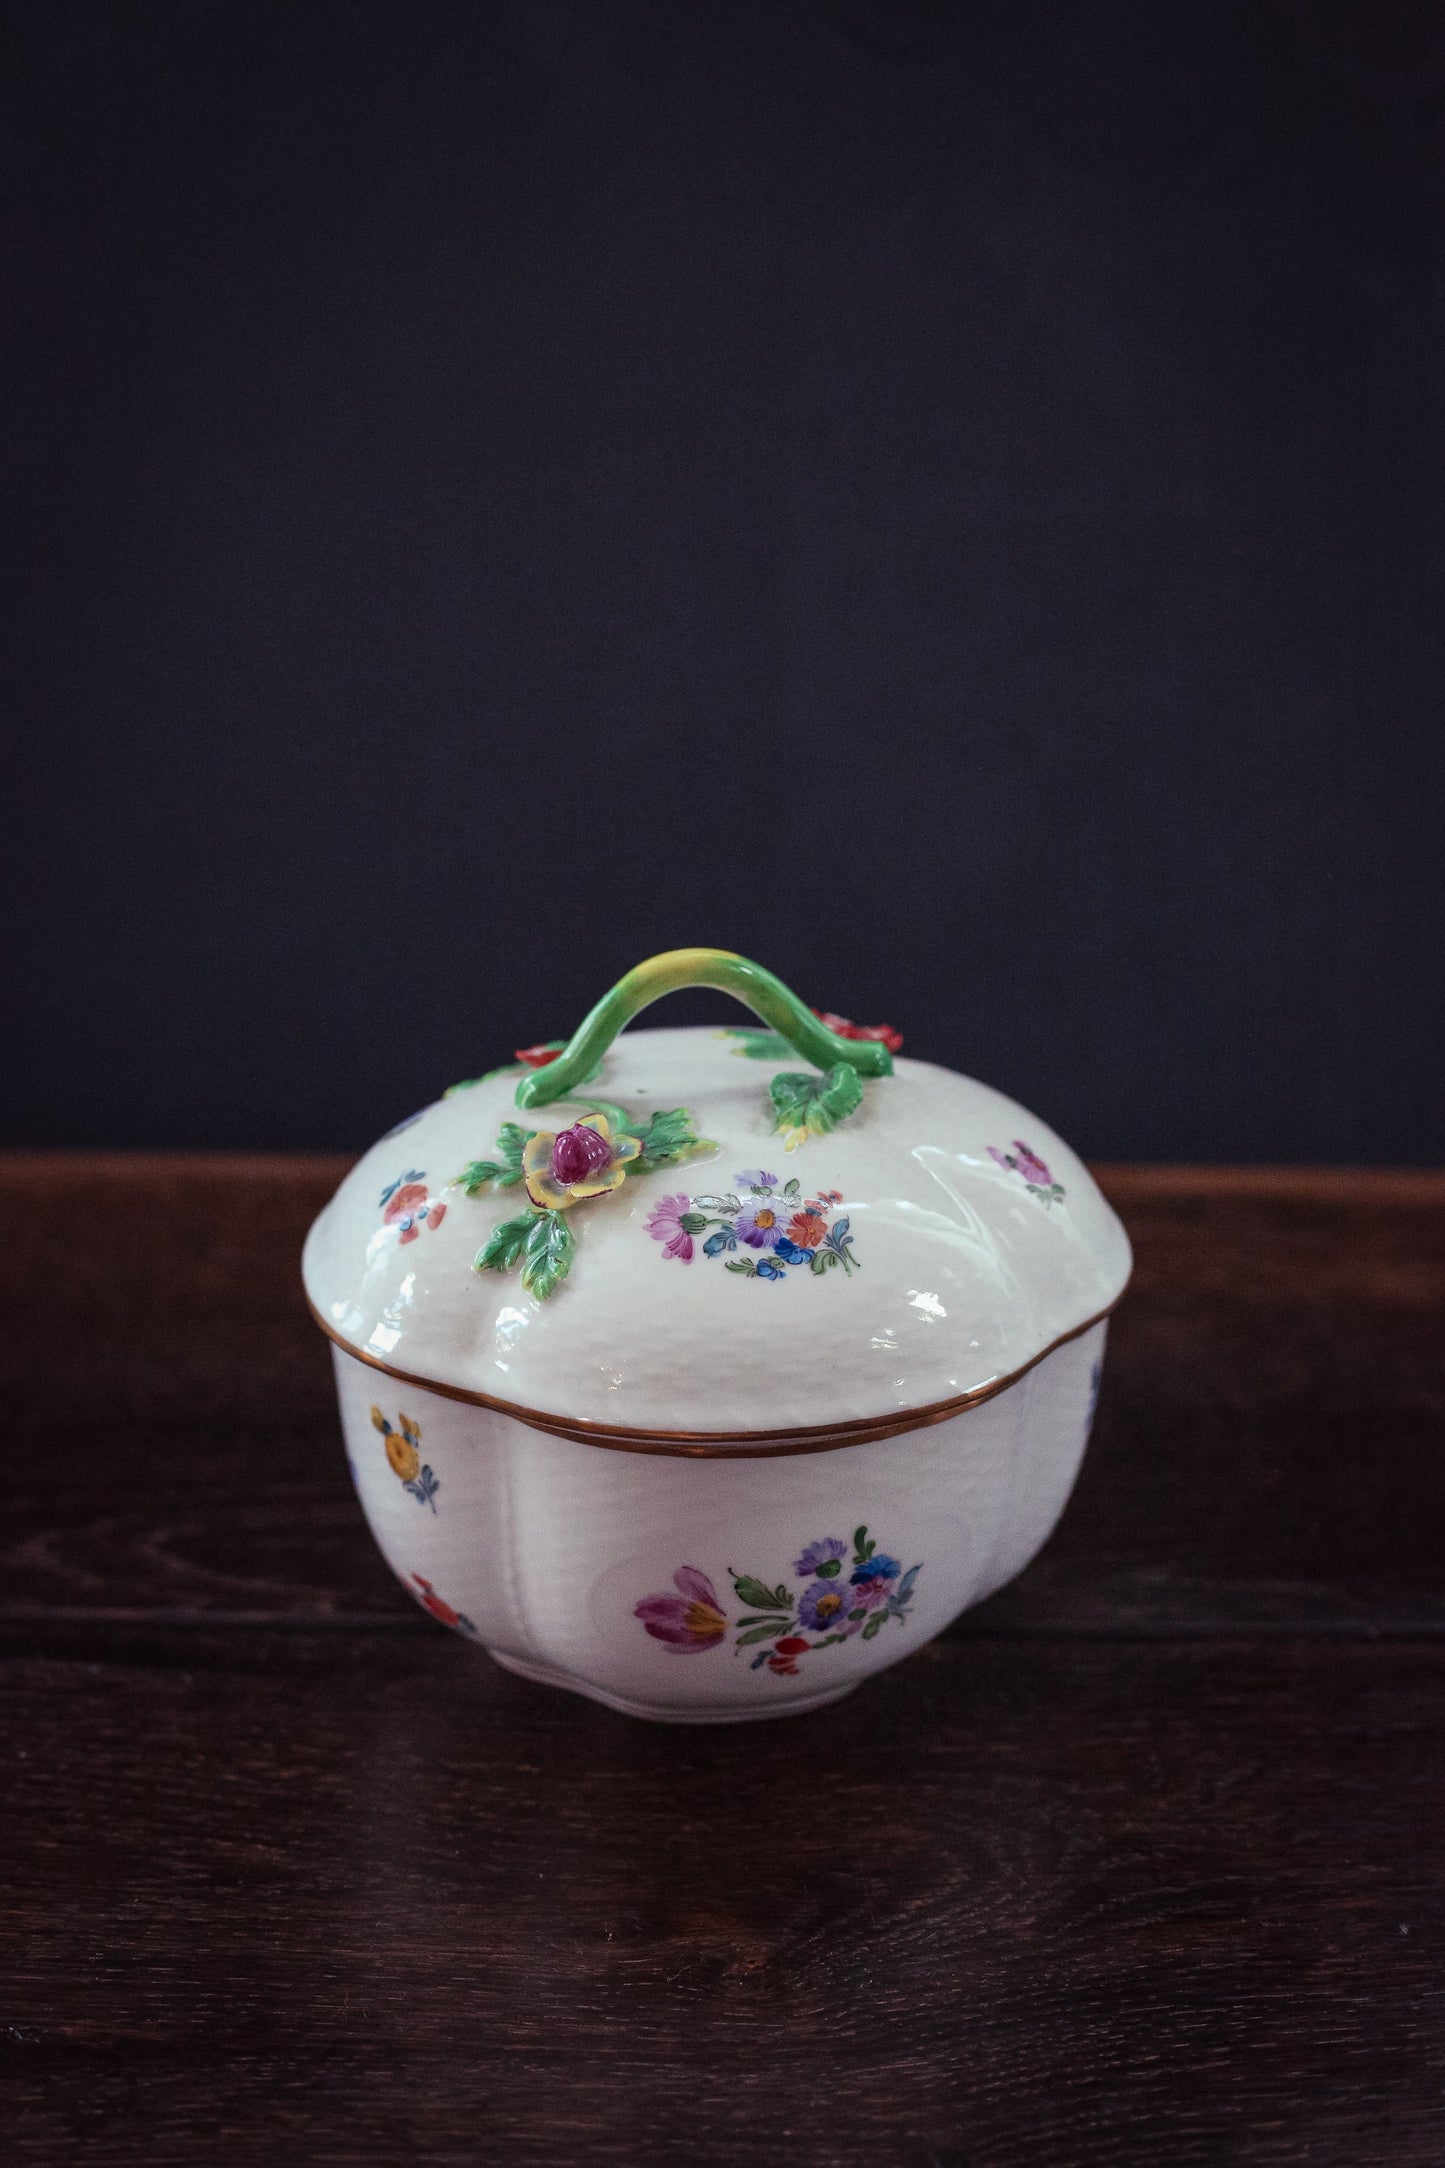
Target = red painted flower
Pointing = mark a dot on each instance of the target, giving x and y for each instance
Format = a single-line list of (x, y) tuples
[(442, 1610), (408, 1208), (791, 1645), (434, 1603), (807, 1229), (890, 1038), (537, 1057), (784, 1666)]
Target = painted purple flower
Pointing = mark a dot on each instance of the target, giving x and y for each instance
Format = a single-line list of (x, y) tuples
[(1022, 1161), (880, 1567), (666, 1226), (688, 1622), (760, 1224), (824, 1553), (867, 1597), (823, 1607), (755, 1178)]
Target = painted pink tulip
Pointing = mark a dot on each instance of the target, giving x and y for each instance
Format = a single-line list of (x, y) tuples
[(1022, 1161), (688, 1622)]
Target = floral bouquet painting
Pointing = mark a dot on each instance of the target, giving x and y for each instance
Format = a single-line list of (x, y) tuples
[(759, 1229), (1035, 1172), (847, 1593)]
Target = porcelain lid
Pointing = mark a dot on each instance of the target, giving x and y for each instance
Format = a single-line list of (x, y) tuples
[(689, 1245)]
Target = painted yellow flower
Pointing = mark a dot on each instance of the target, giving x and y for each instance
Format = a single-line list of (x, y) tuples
[(562, 1168), (401, 1445), (403, 1455)]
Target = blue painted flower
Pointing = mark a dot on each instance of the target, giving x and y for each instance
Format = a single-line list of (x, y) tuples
[(822, 1607), (880, 1567), (825, 1553), (755, 1178), (767, 1270), (790, 1252), (761, 1225)]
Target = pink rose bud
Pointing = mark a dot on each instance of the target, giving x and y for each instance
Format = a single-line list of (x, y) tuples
[(579, 1153)]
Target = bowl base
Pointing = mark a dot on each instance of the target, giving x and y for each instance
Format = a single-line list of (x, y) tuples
[(544, 1675)]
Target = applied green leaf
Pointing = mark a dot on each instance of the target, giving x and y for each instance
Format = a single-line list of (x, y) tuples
[(547, 1258), (758, 1045), (668, 1137), (505, 1171), (505, 1244), (804, 1100)]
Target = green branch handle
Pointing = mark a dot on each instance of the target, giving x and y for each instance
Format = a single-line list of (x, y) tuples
[(748, 983)]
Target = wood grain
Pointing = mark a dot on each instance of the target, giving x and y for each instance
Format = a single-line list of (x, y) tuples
[(1142, 1864), (1049, 1902)]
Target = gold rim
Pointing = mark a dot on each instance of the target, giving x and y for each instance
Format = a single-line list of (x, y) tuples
[(722, 1444)]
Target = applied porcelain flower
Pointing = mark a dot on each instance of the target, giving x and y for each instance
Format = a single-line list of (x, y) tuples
[(846, 1029), (562, 1168)]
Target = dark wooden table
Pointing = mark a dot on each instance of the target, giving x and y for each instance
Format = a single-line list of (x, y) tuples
[(1142, 1863)]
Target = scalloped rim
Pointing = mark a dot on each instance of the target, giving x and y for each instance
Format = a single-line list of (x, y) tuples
[(723, 1444)]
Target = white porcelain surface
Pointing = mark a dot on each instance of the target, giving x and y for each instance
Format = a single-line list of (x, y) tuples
[(965, 1272), (541, 1547)]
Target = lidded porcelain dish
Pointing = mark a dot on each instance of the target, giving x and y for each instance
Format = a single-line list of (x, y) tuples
[(707, 1372)]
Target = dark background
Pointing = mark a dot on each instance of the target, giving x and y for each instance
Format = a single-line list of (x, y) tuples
[(945, 500)]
